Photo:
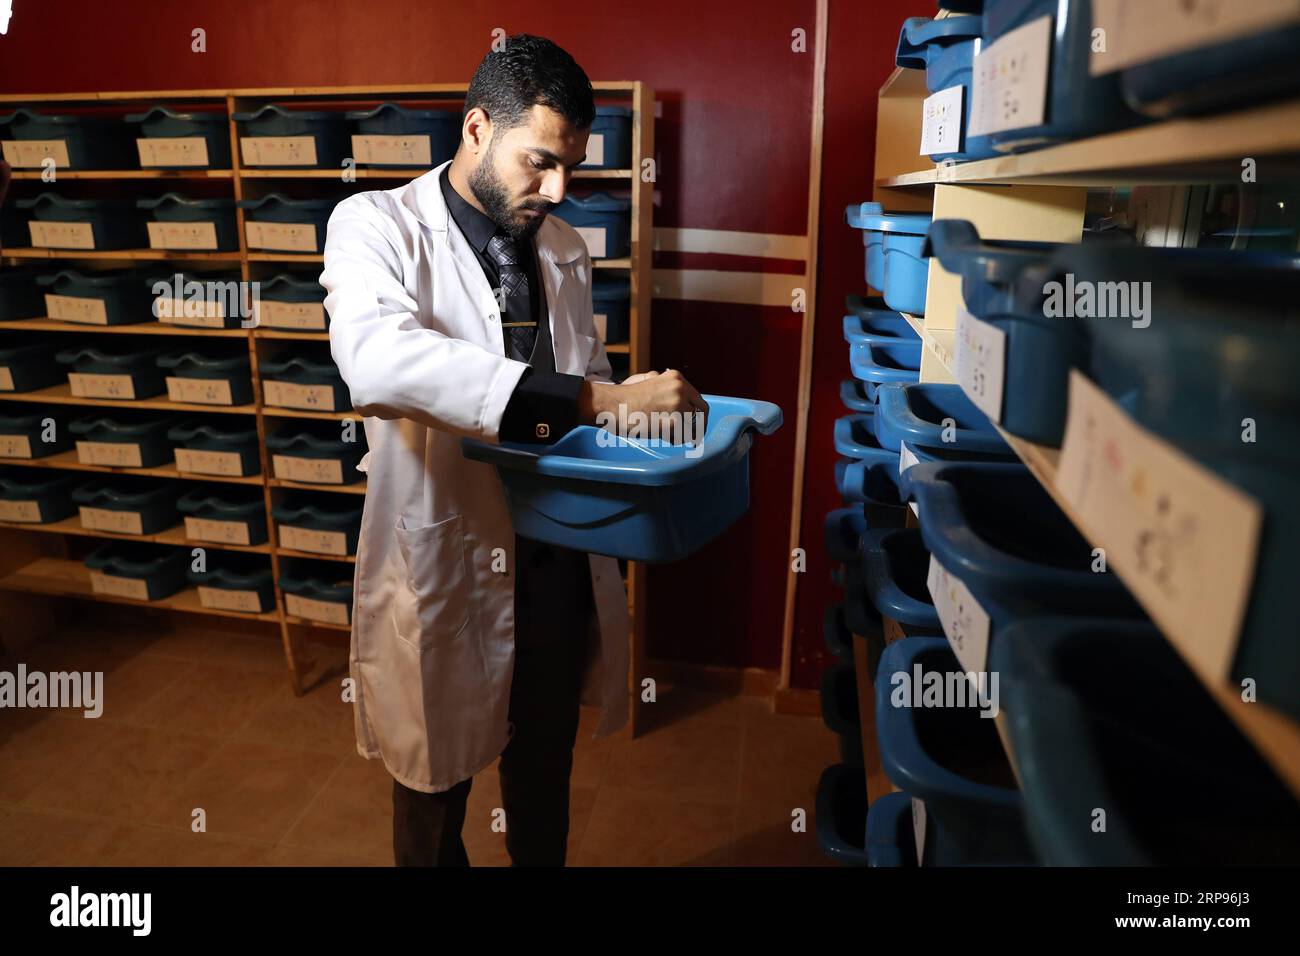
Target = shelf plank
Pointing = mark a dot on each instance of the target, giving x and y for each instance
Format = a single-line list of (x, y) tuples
[(263, 333), (285, 257), (624, 263), (62, 395), (369, 173), (67, 460), (291, 553), (354, 489), (291, 619), (277, 412), (152, 327), (174, 535), (29, 252), (195, 173)]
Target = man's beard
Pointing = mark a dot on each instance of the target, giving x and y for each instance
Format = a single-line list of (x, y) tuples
[(491, 193)]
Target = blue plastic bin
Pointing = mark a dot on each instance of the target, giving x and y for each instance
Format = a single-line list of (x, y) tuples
[(230, 376), (161, 568), (613, 149), (219, 214), (24, 430), (839, 699), (894, 565), (320, 137), (611, 298), (221, 438), (320, 445), (866, 216), (877, 365), (308, 369), (37, 495), (840, 530), (27, 363), (855, 436), (836, 633), (895, 266), (918, 415), (429, 136), (327, 582), (337, 522), (118, 296), (870, 326), (287, 301), (890, 834), (1105, 714), (152, 501), (841, 814), (20, 296), (145, 433), (945, 49), (951, 759), (92, 142), (625, 496), (212, 128), (853, 395), (114, 223), (603, 221), (208, 300), (236, 571), (313, 214), (138, 364), (228, 515), (872, 483)]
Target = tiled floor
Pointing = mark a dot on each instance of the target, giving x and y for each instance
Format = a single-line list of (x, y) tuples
[(205, 719)]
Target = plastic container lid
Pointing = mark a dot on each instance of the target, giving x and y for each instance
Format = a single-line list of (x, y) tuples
[(162, 112), (403, 111), (90, 205), (279, 199), (920, 32), (599, 202), (176, 199), (276, 110)]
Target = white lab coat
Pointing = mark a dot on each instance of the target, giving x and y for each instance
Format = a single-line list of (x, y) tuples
[(416, 333)]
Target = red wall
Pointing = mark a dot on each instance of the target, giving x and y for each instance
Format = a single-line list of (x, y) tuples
[(732, 151)]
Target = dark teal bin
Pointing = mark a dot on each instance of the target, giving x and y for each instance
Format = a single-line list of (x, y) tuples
[(37, 495), (228, 378), (331, 460), (114, 223), (138, 364), (287, 301), (836, 633), (23, 432), (871, 483), (27, 363), (336, 522), (154, 502), (119, 296), (842, 529), (951, 759), (922, 415), (322, 136), (20, 296), (895, 565), (145, 432), (841, 812), (237, 516), (237, 571), (433, 135), (603, 221), (839, 698), (611, 298), (945, 49), (319, 582), (891, 832), (295, 368), (213, 128), (1105, 715), (161, 568), (208, 300), (613, 149), (199, 213), (878, 365), (276, 208), (222, 438), (92, 142)]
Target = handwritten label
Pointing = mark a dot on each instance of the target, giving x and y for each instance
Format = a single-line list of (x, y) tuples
[(172, 151), (229, 599), (204, 312), (62, 235), (941, 121), (24, 511), (209, 462), (310, 539), (331, 612), (102, 583), (281, 236), (86, 385), (392, 150), (109, 454), (981, 362), (291, 315), (104, 519), (1009, 80), (918, 830), (32, 153), (294, 395), (278, 150), (327, 471), (209, 529), (1184, 540), (15, 446), (201, 391), (182, 235), (594, 237), (75, 308), (965, 622)]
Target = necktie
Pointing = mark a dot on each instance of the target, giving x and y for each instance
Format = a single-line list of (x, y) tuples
[(516, 318)]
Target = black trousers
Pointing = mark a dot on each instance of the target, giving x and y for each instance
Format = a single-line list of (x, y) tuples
[(553, 608)]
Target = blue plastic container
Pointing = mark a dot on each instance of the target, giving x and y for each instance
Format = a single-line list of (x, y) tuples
[(613, 150), (839, 698), (841, 814), (161, 568), (43, 496), (231, 515), (332, 460), (23, 432), (603, 221), (287, 301), (114, 223), (313, 214), (1106, 714), (230, 375), (238, 571), (611, 298), (855, 436), (338, 518), (27, 363), (1231, 319), (841, 530), (945, 49), (92, 142), (893, 243), (213, 128), (229, 436), (140, 364), (890, 835), (919, 415), (871, 482), (319, 581), (219, 213), (866, 216), (322, 136), (951, 759), (628, 497), (895, 563), (897, 362), (152, 501), (20, 297), (868, 326), (122, 293), (853, 395), (423, 131), (213, 300), (297, 368), (836, 633), (147, 433)]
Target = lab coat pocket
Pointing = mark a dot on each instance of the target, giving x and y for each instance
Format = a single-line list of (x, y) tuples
[(434, 606)]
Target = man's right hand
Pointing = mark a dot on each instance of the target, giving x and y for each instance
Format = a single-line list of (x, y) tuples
[(649, 392)]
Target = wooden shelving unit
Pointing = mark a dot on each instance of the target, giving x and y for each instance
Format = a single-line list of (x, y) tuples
[(33, 558), (1040, 195)]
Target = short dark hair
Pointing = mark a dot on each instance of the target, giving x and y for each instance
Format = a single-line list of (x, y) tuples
[(530, 70)]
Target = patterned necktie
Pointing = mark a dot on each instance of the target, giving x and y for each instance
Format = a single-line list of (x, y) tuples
[(516, 311)]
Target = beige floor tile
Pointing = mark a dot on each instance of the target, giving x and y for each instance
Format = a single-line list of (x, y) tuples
[(319, 720), (294, 856), (633, 827), (154, 846), (38, 746), (137, 681), (690, 760), (36, 838), (261, 652), (783, 758), (352, 815), (212, 699), (765, 836)]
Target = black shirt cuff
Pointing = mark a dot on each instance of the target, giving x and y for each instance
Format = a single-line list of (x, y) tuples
[(542, 409)]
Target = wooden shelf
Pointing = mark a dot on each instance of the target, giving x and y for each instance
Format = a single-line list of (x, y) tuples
[(195, 173), (358, 488), (277, 412), (291, 553), (291, 619), (174, 535), (284, 257), (126, 254), (623, 263), (618, 348), (262, 333), (1197, 150), (371, 173), (152, 327), (62, 395), (66, 578), (67, 460), (939, 341)]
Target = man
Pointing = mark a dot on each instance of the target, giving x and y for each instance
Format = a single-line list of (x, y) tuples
[(459, 307)]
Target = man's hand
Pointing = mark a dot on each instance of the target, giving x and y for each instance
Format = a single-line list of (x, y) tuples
[(648, 392)]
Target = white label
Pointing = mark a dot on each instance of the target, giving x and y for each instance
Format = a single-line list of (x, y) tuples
[(6, 379), (392, 150), (32, 153), (595, 150), (209, 462), (318, 542), (74, 308), (1183, 540), (15, 446), (291, 315), (331, 612), (1009, 80), (600, 320), (965, 622), (1136, 33), (906, 459), (278, 150), (594, 237), (189, 311), (281, 236), (327, 471), (172, 151), (293, 395), (941, 121), (182, 235), (228, 599), (981, 362), (85, 385), (62, 235), (201, 391), (103, 519), (918, 830), (24, 511), (208, 529), (108, 453), (102, 583)]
